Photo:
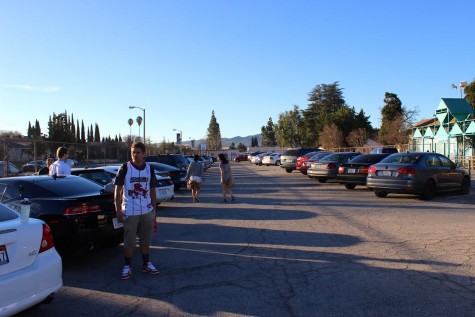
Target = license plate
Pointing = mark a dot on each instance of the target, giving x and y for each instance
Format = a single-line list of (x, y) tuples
[(163, 191), (116, 223), (386, 173), (351, 171), (3, 255)]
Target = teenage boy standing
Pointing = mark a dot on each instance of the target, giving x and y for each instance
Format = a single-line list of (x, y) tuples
[(135, 205)]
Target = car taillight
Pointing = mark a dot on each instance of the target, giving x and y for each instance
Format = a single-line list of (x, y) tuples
[(372, 169), (77, 210), (169, 182), (330, 166), (271, 158), (47, 241), (406, 170), (173, 174), (363, 170), (341, 169)]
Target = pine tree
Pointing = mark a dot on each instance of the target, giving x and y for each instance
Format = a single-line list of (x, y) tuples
[(213, 140)]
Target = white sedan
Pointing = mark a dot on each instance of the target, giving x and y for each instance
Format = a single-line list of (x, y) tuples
[(30, 266), (271, 159)]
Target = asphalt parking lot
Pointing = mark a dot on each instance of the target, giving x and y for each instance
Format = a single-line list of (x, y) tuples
[(290, 246)]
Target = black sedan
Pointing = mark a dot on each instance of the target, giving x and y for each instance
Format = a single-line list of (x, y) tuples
[(418, 173), (355, 171), (78, 211), (178, 176)]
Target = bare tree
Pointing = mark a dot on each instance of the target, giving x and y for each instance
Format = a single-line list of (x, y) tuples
[(357, 138), (331, 137)]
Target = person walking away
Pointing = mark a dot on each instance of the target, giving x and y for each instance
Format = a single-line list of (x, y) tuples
[(60, 167), (195, 176), (226, 177), (45, 169), (135, 204)]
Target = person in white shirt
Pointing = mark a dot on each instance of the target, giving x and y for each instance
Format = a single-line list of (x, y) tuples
[(60, 167)]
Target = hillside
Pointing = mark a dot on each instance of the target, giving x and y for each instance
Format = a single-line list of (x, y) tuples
[(246, 140)]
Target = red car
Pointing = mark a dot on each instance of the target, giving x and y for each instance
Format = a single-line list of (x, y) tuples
[(240, 157), (302, 159), (314, 158)]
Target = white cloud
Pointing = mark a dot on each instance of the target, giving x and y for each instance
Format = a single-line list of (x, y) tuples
[(32, 88)]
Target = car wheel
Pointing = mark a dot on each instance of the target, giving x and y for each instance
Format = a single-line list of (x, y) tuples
[(380, 194), (429, 190), (288, 170), (350, 186), (465, 189), (277, 163), (322, 179)]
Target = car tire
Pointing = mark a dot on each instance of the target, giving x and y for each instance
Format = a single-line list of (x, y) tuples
[(288, 170), (465, 188), (322, 179), (350, 186), (429, 190), (277, 163), (380, 194)]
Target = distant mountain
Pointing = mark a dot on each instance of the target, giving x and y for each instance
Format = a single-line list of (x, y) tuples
[(246, 140)]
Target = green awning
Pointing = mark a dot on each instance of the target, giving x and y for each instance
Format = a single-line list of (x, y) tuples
[(417, 134), (471, 128), (456, 131), (429, 133), (441, 132)]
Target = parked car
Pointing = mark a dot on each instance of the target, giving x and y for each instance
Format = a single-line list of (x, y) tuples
[(165, 187), (240, 158), (314, 158), (271, 159), (327, 168), (177, 160), (11, 171), (30, 266), (257, 159), (177, 176), (98, 175), (288, 160), (77, 210), (355, 171), (419, 173), (30, 167), (302, 159), (250, 155)]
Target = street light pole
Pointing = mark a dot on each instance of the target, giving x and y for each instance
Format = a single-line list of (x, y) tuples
[(181, 137), (143, 109)]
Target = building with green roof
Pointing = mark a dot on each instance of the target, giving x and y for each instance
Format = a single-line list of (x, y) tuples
[(451, 131)]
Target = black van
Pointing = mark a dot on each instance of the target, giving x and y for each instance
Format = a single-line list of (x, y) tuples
[(177, 160), (288, 160)]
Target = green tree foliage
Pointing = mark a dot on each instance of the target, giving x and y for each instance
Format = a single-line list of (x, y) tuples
[(268, 134), (325, 101), (241, 147), (289, 128), (254, 141), (97, 133), (60, 128), (232, 146), (392, 108), (470, 94), (213, 140)]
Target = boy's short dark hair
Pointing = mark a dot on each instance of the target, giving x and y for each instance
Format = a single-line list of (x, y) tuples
[(61, 151), (139, 145)]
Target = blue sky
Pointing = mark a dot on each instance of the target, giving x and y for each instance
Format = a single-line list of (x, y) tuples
[(247, 60)]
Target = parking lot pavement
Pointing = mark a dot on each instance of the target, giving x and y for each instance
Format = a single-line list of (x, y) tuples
[(290, 246)]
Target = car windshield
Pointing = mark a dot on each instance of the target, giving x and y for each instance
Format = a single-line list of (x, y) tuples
[(68, 186), (319, 156), (335, 157), (403, 158)]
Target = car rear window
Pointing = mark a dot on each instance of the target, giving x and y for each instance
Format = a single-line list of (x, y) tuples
[(293, 152), (6, 213), (403, 158), (370, 158), (181, 159), (68, 186)]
